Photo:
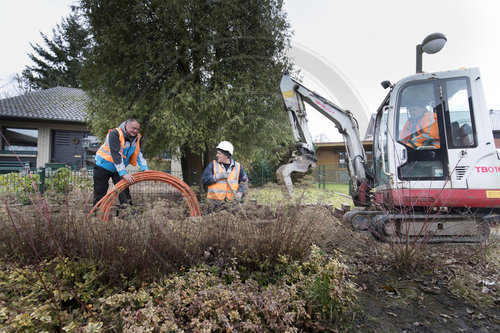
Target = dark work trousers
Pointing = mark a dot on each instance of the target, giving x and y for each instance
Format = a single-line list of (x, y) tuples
[(101, 183)]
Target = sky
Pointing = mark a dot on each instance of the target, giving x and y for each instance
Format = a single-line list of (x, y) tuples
[(21, 22), (366, 41)]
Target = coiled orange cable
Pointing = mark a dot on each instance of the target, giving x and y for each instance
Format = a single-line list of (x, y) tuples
[(104, 205)]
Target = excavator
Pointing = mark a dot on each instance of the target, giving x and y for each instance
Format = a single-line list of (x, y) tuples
[(444, 186)]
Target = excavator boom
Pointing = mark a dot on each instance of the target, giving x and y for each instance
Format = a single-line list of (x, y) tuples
[(304, 158)]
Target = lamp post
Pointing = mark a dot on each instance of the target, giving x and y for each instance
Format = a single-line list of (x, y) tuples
[(85, 146), (430, 45)]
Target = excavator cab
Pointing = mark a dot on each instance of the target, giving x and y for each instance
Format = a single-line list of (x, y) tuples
[(432, 138)]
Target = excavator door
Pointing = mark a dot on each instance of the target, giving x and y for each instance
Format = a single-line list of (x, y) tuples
[(421, 150)]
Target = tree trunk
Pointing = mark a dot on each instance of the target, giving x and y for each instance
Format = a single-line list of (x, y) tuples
[(192, 168)]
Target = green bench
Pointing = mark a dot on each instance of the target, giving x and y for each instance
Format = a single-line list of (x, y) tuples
[(13, 166)]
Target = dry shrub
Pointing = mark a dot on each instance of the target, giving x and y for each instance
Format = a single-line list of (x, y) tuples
[(158, 239), (257, 234), (249, 268)]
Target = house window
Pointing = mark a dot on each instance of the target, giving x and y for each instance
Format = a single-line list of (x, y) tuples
[(342, 159), (20, 139)]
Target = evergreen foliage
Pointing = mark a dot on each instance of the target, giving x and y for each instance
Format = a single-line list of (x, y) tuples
[(59, 63), (193, 72)]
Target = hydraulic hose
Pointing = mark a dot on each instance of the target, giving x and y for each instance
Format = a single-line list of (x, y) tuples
[(104, 205)]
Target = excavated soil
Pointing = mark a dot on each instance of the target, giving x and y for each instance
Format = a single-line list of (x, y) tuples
[(441, 288)]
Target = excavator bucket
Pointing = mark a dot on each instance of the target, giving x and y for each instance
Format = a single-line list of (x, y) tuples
[(297, 163)]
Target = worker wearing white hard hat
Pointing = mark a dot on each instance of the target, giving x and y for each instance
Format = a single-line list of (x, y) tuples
[(226, 179), (226, 146)]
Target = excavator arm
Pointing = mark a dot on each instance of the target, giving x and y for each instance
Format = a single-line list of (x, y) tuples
[(304, 158)]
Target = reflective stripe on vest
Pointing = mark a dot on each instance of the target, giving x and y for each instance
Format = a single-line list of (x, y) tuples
[(220, 189), (105, 153), (426, 132)]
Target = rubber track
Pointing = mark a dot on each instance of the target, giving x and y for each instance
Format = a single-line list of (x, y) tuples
[(104, 205)]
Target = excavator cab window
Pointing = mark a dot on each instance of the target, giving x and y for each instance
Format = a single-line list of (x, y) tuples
[(418, 122), (420, 129), (380, 148), (459, 114)]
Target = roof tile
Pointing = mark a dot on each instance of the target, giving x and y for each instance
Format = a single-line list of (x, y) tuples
[(58, 103)]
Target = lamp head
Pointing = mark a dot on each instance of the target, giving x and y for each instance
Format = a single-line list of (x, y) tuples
[(433, 43), (85, 143)]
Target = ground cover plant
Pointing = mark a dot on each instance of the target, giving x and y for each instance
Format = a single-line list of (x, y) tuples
[(23, 188), (253, 269)]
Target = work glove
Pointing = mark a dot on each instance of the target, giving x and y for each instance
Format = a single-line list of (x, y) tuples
[(221, 175), (129, 178), (238, 196)]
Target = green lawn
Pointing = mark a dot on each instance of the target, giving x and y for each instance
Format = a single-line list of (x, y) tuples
[(341, 188), (335, 194)]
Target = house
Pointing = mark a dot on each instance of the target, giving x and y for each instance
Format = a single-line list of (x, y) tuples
[(332, 156), (335, 153), (48, 126), (45, 126), (332, 160)]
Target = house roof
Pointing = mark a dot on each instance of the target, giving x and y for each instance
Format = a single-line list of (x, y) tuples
[(54, 104)]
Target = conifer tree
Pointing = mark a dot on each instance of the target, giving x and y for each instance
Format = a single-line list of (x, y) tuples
[(193, 72), (60, 60)]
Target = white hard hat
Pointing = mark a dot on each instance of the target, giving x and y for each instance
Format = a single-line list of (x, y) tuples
[(227, 146)]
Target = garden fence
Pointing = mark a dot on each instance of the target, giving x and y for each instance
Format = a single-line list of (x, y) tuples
[(59, 181)]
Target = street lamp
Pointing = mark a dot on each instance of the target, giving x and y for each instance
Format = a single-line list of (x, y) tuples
[(85, 146), (430, 45)]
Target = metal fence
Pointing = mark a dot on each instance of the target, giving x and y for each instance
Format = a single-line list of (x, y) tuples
[(325, 173), (330, 174), (259, 176), (17, 185)]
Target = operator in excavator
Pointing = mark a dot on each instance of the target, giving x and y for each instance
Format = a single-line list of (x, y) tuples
[(226, 179), (421, 128), (121, 148)]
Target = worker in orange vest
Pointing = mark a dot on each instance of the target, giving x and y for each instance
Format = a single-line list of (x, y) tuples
[(421, 128), (121, 148), (226, 179)]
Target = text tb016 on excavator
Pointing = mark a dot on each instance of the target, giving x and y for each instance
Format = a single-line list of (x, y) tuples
[(435, 178)]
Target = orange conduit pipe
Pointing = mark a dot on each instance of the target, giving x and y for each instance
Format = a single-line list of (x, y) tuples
[(104, 205)]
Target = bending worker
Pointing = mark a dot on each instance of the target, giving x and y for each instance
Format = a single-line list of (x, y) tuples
[(121, 148), (226, 178), (421, 128)]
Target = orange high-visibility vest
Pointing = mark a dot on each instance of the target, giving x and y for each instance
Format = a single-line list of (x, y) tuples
[(425, 133), (220, 189), (105, 152)]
